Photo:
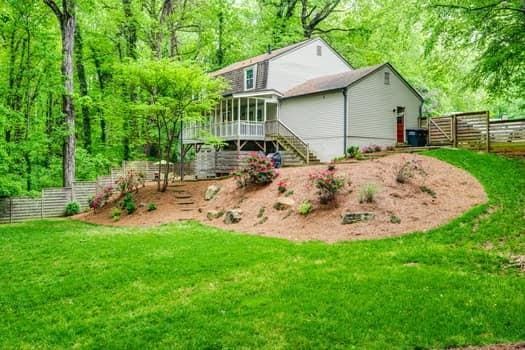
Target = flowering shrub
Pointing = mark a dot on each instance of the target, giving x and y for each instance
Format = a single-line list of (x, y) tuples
[(327, 184), (371, 149), (131, 182), (259, 170), (100, 198), (282, 186)]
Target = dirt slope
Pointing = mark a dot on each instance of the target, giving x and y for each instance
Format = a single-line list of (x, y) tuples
[(455, 192)]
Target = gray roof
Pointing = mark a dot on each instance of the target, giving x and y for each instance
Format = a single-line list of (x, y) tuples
[(261, 58), (342, 80), (331, 82)]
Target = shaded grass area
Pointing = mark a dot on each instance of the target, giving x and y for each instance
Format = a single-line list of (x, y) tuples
[(184, 285)]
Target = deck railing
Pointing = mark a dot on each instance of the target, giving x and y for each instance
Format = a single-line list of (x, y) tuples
[(225, 130)]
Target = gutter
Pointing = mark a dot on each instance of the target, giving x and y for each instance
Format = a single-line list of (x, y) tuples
[(345, 114)]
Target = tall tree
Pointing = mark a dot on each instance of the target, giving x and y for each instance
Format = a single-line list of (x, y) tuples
[(66, 19), (83, 89)]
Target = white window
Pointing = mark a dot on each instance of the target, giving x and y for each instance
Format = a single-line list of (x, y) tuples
[(319, 50), (249, 77), (387, 78)]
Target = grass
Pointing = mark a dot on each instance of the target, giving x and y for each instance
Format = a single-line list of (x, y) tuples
[(67, 284)]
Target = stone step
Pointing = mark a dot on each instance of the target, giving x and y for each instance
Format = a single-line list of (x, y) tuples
[(187, 202), (183, 196)]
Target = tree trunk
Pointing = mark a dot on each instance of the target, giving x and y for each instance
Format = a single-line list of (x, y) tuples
[(101, 76), (66, 18), (83, 85)]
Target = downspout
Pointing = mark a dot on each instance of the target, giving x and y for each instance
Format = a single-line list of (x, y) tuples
[(345, 113)]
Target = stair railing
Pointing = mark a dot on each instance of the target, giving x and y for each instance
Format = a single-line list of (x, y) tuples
[(278, 129)]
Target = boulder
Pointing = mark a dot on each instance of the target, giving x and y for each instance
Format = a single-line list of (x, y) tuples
[(284, 203), (351, 218), (211, 192), (214, 214), (232, 216)]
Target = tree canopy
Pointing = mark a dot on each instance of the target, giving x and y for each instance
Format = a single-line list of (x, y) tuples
[(62, 64)]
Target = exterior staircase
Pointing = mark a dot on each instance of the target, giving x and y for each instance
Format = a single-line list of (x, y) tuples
[(297, 152)]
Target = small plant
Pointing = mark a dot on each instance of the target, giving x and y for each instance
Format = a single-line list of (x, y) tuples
[(428, 190), (289, 193), (305, 208), (390, 148), (115, 214), (367, 193), (152, 207), (282, 186), (327, 184), (131, 182), (395, 219), (408, 170), (354, 152), (259, 170), (128, 203), (377, 148), (260, 214), (367, 149), (100, 198), (72, 208)]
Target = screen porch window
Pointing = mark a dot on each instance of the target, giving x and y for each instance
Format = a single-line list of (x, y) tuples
[(249, 78)]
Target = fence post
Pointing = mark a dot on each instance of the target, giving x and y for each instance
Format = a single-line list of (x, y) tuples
[(429, 119), (454, 128), (10, 210), (488, 131), (42, 205)]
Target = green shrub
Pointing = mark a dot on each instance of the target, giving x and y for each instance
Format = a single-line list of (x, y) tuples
[(72, 208), (305, 208), (115, 214), (152, 206), (354, 152), (367, 193), (128, 203)]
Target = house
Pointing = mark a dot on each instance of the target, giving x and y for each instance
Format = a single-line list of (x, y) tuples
[(308, 102)]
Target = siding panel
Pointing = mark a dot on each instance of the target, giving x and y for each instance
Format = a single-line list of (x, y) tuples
[(371, 104), (318, 120), (303, 64)]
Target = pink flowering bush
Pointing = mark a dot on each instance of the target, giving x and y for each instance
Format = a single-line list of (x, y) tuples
[(259, 170), (327, 184), (100, 198)]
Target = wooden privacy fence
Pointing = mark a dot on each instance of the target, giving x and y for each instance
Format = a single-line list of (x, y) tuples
[(475, 130), (52, 201)]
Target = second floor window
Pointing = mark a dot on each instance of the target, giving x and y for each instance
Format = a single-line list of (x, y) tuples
[(249, 78)]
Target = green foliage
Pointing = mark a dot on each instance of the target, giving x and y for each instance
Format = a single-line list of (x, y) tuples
[(72, 208), (305, 208), (152, 207), (116, 214), (128, 203), (452, 275), (367, 193), (354, 152)]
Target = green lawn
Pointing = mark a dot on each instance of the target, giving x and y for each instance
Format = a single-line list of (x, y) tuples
[(68, 284)]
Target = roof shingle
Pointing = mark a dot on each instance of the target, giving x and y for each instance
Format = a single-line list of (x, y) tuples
[(331, 82)]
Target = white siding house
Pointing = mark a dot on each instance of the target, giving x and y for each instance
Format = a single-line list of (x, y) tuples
[(307, 100)]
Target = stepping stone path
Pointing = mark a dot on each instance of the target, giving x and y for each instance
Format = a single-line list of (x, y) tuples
[(184, 199)]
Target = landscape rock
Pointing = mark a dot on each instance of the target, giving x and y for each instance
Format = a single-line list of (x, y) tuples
[(214, 214), (352, 218), (284, 203), (232, 216), (211, 192)]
